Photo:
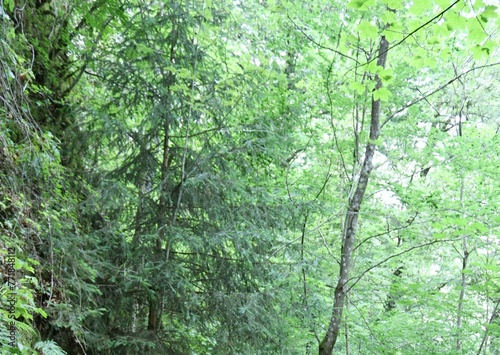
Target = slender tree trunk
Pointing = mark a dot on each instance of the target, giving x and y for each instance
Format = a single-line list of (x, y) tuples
[(346, 326), (493, 317), (156, 301), (352, 215), (152, 315), (465, 258)]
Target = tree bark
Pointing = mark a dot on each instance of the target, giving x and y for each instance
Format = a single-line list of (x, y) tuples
[(465, 258), (352, 215), (157, 301)]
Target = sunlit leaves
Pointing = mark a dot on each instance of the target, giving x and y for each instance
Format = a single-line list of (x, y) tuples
[(476, 32), (388, 17), (419, 6), (394, 4), (455, 21), (490, 12), (386, 75), (357, 86), (421, 59), (481, 52), (367, 30), (360, 4), (382, 94), (394, 32)]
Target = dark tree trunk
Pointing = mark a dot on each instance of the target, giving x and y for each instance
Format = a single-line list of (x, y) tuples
[(351, 217)]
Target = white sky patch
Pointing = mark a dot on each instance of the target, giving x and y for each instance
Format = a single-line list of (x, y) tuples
[(420, 143), (434, 269), (388, 198)]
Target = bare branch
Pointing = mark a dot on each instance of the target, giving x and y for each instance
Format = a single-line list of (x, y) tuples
[(409, 223), (312, 40), (358, 278), (424, 97)]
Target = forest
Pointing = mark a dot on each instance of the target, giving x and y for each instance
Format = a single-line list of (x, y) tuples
[(249, 177)]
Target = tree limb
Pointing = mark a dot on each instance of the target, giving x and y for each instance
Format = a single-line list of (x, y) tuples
[(358, 278), (424, 97), (413, 32)]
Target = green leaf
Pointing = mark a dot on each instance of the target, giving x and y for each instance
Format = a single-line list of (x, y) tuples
[(476, 34), (480, 52), (440, 235), (381, 94), (393, 4), (386, 75), (9, 5), (362, 5), (489, 12), (433, 40), (443, 3), (460, 221), (419, 6), (357, 86), (394, 32), (367, 30), (455, 21), (356, 4), (372, 67), (478, 4), (388, 17)]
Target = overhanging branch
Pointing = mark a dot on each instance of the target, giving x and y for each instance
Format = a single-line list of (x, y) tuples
[(358, 278), (413, 32), (425, 96)]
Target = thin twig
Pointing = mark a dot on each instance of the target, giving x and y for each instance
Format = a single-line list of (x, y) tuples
[(492, 318), (358, 278), (424, 97), (312, 40), (409, 223), (413, 32)]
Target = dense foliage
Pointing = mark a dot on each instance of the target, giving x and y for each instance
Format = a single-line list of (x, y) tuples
[(249, 177)]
